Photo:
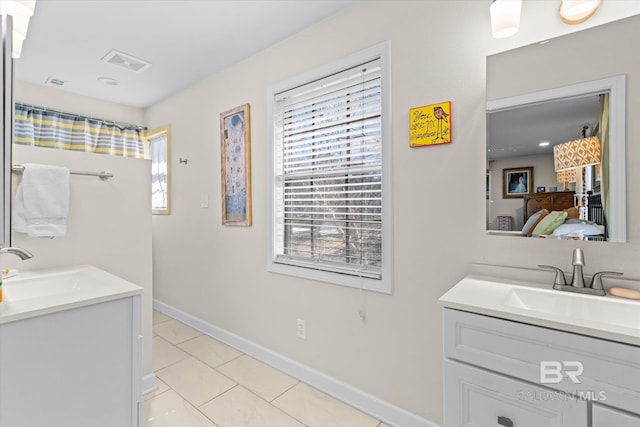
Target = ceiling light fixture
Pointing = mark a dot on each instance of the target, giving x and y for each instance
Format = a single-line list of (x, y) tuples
[(108, 81), (505, 17), (544, 143), (574, 12), (21, 11)]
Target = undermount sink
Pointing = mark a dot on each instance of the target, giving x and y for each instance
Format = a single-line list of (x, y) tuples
[(536, 303), (45, 286), (33, 293), (584, 307)]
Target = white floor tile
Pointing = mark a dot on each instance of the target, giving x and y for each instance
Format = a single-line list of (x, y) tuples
[(195, 381), (239, 407), (316, 409), (171, 410), (175, 332), (165, 354), (159, 317), (210, 351), (261, 379)]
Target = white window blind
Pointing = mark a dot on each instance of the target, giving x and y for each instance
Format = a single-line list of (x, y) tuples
[(328, 170)]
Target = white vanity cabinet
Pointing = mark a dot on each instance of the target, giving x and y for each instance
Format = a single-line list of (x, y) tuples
[(74, 367), (476, 397), (609, 417), (503, 373)]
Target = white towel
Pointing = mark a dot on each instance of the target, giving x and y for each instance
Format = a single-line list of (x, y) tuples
[(42, 201)]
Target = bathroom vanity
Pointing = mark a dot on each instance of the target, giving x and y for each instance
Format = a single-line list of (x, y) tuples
[(70, 349), (520, 354)]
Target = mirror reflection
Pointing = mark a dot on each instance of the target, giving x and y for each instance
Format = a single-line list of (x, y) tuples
[(546, 157), (556, 137)]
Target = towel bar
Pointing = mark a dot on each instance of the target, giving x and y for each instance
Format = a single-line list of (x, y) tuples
[(18, 169)]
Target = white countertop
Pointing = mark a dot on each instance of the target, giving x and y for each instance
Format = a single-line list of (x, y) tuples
[(607, 317), (40, 292)]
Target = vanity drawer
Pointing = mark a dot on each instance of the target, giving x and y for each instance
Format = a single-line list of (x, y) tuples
[(611, 370), (475, 397), (603, 416)]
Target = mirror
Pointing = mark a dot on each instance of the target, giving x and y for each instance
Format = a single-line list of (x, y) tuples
[(6, 114), (556, 91)]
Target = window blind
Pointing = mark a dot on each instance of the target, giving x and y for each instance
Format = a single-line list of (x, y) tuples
[(328, 167)]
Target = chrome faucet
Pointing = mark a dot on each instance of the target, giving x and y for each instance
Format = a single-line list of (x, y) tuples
[(22, 253), (577, 281), (578, 262)]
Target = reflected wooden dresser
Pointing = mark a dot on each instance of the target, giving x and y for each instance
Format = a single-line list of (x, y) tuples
[(551, 201)]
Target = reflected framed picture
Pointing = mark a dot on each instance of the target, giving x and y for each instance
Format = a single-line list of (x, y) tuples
[(235, 153), (517, 182)]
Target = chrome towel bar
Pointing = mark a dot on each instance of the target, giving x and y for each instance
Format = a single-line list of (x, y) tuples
[(19, 169)]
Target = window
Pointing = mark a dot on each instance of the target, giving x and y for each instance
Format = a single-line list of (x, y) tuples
[(331, 170), (158, 149)]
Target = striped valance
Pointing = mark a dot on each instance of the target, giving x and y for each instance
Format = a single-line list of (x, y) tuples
[(42, 127)]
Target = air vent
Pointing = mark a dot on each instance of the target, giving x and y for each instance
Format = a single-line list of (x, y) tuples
[(126, 61), (51, 81)]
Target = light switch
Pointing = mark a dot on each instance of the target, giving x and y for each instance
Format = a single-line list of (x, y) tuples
[(204, 200)]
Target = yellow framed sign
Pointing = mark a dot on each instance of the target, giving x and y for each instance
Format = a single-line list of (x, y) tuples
[(430, 125)]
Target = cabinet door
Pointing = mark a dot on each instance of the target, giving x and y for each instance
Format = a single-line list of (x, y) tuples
[(474, 397), (72, 368), (609, 417)]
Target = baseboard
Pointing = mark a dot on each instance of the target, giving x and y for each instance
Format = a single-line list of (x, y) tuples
[(367, 403), (149, 383)]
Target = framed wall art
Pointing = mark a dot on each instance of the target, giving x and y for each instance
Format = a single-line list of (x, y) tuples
[(235, 152), (516, 182), (430, 125)]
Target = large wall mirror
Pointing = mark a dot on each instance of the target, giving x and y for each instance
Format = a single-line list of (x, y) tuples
[(6, 117), (556, 114)]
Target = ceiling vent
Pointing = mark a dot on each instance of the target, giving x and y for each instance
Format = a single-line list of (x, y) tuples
[(51, 81), (126, 61)]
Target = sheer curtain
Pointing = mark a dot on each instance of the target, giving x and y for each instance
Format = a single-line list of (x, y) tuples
[(604, 160), (42, 127), (159, 172)]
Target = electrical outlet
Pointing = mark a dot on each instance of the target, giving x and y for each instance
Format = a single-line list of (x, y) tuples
[(301, 330)]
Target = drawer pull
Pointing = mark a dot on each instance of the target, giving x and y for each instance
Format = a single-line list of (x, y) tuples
[(504, 421)]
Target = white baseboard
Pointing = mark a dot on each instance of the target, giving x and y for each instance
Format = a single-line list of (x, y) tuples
[(149, 383), (367, 403)]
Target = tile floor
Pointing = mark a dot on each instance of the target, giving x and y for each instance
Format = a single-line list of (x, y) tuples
[(205, 383)]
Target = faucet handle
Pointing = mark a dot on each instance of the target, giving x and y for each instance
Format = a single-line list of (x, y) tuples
[(559, 280), (596, 280)]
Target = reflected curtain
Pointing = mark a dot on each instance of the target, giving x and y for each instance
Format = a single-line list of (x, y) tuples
[(604, 159), (42, 127)]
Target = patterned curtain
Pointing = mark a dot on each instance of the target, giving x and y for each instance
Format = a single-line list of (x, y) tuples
[(42, 127)]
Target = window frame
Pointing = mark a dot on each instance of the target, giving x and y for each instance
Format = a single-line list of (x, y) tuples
[(147, 155), (381, 51)]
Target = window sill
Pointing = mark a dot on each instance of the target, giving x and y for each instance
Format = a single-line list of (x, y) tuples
[(382, 285)]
